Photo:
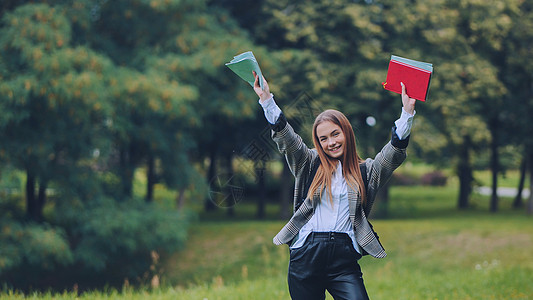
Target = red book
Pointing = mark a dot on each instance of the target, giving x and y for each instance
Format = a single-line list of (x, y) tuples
[(415, 75)]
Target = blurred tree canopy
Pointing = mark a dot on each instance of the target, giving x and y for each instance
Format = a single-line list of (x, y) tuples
[(469, 43), (92, 91)]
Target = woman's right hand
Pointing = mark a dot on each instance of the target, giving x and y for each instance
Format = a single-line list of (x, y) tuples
[(408, 102), (263, 94)]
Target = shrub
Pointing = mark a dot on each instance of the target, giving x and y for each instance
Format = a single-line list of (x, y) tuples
[(42, 246), (435, 178), (403, 179), (29, 249), (117, 240), (106, 243)]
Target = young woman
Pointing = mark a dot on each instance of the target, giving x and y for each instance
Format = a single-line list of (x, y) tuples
[(329, 231)]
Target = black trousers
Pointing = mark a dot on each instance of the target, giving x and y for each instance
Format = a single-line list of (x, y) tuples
[(326, 261)]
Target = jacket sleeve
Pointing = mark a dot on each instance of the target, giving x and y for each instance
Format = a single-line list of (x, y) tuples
[(291, 145), (380, 169)]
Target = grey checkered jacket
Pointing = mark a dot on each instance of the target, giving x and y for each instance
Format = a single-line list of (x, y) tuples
[(301, 160)]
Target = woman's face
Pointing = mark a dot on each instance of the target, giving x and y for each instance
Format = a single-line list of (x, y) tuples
[(331, 139)]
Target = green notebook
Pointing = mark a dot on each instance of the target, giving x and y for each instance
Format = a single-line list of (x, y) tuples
[(243, 65)]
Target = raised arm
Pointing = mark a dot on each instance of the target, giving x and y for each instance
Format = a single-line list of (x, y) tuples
[(380, 169), (290, 144)]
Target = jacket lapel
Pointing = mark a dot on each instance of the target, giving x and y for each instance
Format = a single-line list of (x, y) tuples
[(316, 197), (298, 220), (354, 201)]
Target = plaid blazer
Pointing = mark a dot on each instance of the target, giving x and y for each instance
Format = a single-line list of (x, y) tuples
[(301, 160)]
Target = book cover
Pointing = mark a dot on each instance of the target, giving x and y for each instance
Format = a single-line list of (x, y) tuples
[(243, 65), (414, 74)]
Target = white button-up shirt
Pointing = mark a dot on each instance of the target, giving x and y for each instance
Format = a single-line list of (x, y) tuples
[(330, 215)]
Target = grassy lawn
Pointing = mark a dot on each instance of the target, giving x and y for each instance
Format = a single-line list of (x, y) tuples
[(509, 179), (464, 256), (434, 252), (467, 255)]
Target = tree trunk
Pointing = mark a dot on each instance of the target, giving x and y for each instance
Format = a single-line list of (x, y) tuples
[(464, 172), (31, 201), (286, 193), (150, 179), (180, 199), (494, 165), (233, 201), (530, 200), (518, 202), (261, 197), (126, 172), (211, 173), (41, 200)]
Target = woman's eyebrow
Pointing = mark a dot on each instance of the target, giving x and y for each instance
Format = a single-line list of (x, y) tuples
[(332, 132)]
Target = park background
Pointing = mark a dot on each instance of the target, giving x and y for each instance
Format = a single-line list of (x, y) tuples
[(135, 165)]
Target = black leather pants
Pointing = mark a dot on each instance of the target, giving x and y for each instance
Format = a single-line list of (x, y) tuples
[(326, 261)]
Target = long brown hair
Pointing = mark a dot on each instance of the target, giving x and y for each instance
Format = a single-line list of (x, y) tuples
[(350, 159)]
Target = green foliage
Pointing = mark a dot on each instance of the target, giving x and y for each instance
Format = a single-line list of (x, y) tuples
[(37, 246), (66, 109), (34, 26), (118, 239), (106, 243), (152, 117), (352, 40), (53, 106)]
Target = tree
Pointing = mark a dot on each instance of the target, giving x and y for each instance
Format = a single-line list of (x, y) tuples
[(198, 47), (520, 84), (54, 99), (488, 38), (153, 111), (468, 83), (152, 115), (65, 109)]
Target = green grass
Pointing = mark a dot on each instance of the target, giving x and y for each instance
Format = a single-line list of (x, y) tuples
[(434, 252), (509, 179), (460, 257), (463, 256)]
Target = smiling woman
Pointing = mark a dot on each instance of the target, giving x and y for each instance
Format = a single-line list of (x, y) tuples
[(329, 232), (334, 137)]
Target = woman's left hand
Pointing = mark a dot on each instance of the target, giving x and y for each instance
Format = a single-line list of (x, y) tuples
[(408, 103), (263, 94)]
